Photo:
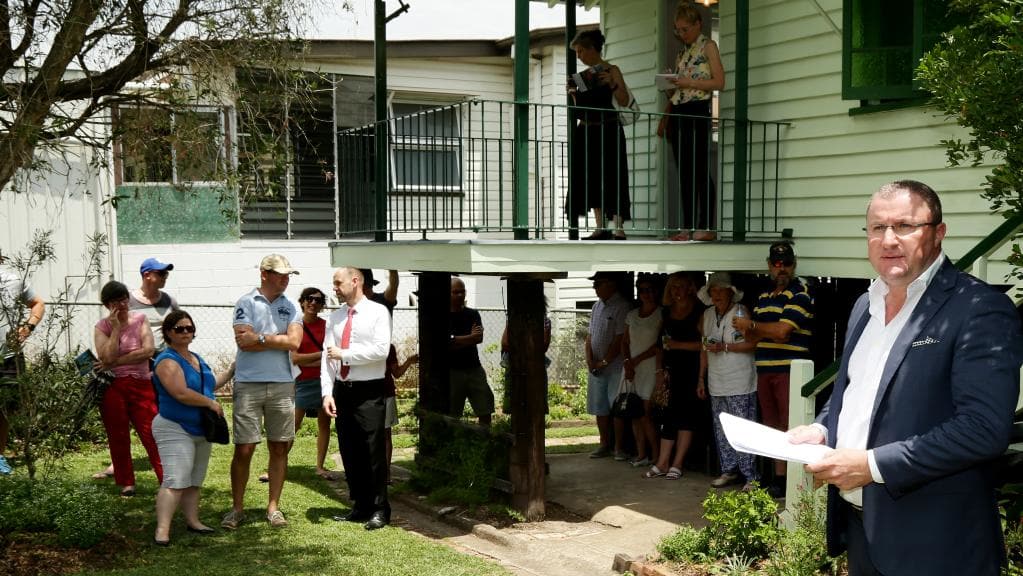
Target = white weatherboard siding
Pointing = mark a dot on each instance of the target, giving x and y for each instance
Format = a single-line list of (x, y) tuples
[(830, 161), (67, 200), (630, 27)]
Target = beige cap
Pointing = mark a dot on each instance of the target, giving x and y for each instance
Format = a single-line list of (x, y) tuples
[(277, 263)]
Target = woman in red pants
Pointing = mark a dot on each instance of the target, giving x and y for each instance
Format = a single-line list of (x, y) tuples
[(124, 345)]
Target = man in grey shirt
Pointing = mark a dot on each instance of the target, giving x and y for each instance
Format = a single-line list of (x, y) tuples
[(150, 299), (15, 293), (267, 328)]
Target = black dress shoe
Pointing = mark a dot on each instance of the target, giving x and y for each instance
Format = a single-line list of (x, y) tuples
[(205, 530), (353, 516), (377, 521)]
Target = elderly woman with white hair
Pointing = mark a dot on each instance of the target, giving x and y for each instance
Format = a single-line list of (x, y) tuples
[(728, 372)]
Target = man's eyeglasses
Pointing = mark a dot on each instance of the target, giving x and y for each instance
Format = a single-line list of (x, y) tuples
[(780, 263), (189, 329), (901, 229)]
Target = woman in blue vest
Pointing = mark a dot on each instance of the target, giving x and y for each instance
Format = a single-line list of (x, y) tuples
[(184, 385)]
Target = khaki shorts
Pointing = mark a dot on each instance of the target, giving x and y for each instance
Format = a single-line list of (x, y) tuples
[(264, 403)]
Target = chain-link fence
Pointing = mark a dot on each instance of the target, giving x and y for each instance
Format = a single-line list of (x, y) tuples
[(214, 337)]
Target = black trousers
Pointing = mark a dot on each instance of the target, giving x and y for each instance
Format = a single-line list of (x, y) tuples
[(690, 147), (860, 563), (360, 434)]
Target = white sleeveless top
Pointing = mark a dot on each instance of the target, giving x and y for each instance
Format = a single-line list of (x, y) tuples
[(728, 373)]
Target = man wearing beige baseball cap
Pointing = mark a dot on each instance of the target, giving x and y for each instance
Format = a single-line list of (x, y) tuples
[(267, 328)]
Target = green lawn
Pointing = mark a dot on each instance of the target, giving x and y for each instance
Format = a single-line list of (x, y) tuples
[(311, 544)]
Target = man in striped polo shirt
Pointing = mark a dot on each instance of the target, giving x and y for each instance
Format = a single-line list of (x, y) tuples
[(781, 328)]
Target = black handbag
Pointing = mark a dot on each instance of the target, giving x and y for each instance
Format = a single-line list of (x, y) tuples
[(99, 380), (214, 426), (627, 404)]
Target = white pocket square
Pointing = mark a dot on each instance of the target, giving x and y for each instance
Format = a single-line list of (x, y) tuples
[(925, 342)]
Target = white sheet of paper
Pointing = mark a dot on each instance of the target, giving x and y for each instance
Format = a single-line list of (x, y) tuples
[(580, 82), (752, 438), (665, 81)]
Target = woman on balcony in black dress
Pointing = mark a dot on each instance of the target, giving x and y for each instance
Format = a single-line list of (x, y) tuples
[(599, 171)]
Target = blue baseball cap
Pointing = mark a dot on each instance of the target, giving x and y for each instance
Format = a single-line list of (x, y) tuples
[(154, 265)]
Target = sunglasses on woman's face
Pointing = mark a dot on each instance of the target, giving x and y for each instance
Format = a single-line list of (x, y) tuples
[(189, 329), (315, 299)]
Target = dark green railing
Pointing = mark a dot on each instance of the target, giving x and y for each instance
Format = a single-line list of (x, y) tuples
[(450, 169)]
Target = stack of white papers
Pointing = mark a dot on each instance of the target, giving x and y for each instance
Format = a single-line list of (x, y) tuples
[(752, 438), (665, 81)]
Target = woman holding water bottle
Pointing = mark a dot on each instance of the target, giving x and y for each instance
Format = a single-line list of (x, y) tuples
[(728, 372)]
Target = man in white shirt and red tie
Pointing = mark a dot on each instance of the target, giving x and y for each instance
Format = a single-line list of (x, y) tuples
[(356, 343)]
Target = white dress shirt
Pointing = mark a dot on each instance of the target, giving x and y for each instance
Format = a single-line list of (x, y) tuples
[(867, 364), (368, 344)]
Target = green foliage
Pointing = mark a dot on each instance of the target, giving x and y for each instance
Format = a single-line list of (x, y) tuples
[(1014, 549), (79, 514), (45, 401), (687, 544), (459, 462), (742, 523), (52, 416), (974, 74), (803, 550), (734, 566)]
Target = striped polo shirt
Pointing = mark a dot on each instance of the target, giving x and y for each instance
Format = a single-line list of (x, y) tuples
[(794, 306)]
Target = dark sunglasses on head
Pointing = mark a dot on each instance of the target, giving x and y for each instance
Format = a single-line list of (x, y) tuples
[(183, 329)]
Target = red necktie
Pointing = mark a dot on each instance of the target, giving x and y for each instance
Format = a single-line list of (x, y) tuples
[(346, 338)]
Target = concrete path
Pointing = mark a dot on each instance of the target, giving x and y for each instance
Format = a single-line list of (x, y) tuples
[(623, 514)]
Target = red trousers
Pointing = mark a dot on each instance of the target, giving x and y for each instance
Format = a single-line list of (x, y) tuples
[(130, 400)]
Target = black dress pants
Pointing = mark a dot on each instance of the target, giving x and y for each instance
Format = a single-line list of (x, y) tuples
[(360, 432)]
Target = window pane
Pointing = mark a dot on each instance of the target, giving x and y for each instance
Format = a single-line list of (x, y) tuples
[(197, 143), (426, 168), (424, 120), (880, 47), (145, 144)]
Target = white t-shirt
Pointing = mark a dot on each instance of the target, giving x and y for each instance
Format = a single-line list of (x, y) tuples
[(643, 333), (728, 373)]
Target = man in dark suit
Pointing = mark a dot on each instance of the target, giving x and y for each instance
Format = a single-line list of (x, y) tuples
[(923, 403)]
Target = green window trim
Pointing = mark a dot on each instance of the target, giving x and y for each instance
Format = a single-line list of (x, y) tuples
[(882, 43)]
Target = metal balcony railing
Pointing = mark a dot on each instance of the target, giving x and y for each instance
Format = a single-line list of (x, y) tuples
[(450, 170)]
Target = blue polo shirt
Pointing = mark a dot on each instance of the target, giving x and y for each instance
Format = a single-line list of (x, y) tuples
[(793, 306), (265, 317)]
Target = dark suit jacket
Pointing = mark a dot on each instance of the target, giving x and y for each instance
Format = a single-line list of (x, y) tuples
[(943, 411)]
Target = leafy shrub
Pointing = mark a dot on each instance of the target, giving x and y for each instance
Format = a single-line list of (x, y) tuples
[(1014, 548), (458, 462), (79, 514), (742, 523), (803, 550), (687, 544)]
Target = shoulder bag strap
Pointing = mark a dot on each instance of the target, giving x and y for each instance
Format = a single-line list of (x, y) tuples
[(312, 337)]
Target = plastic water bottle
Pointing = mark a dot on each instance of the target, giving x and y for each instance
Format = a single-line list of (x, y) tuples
[(739, 313)]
